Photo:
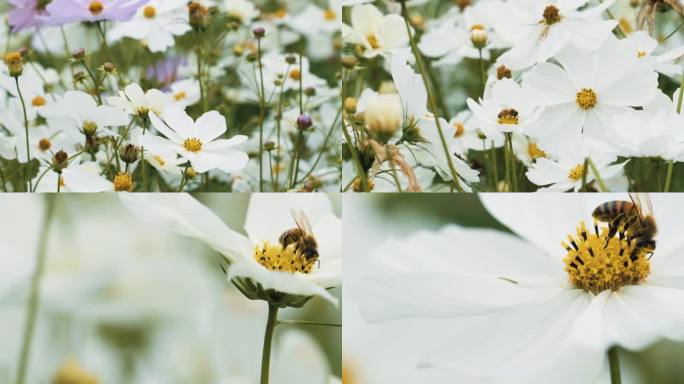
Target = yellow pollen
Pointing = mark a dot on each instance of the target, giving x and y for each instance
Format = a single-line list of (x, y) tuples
[(277, 258), (534, 151), (44, 144), (641, 54), (193, 144), (295, 74), (460, 129), (150, 11), (330, 14), (159, 160), (71, 372), (95, 7), (576, 172), (508, 116), (595, 262), (586, 98), (123, 182), (180, 96), (38, 101), (373, 41)]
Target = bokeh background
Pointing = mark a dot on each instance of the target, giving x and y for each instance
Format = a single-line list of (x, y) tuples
[(125, 302), (397, 345)]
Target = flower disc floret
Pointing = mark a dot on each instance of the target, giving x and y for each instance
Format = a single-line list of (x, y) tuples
[(586, 98), (287, 259)]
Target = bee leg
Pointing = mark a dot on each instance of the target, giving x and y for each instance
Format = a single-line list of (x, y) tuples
[(613, 228)]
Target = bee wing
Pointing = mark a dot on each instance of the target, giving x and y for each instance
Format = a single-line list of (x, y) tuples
[(302, 221), (642, 202)]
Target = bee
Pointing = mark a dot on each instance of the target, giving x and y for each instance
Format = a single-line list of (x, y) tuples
[(634, 217), (302, 237)]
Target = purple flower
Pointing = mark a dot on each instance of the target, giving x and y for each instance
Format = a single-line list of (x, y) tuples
[(68, 11), (165, 72), (27, 14)]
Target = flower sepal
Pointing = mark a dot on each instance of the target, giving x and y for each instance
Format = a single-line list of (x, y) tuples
[(255, 291)]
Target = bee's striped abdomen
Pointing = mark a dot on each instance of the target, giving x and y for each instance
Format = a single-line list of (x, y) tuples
[(608, 211)]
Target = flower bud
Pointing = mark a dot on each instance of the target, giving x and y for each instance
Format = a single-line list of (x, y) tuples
[(350, 105), (304, 122), (190, 173), (78, 54), (310, 91), (198, 16), (15, 63), (109, 68), (269, 145), (89, 128), (259, 32), (349, 61), (60, 160), (129, 153), (383, 116), (478, 36), (290, 59)]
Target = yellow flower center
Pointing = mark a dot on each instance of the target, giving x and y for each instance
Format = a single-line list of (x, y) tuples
[(586, 98), (641, 53), (551, 15), (595, 262), (123, 182), (460, 129), (295, 74), (277, 258), (150, 11), (373, 41), (534, 151), (38, 101), (280, 13), (95, 7), (72, 373), (180, 96), (193, 144), (89, 128), (576, 172), (508, 116), (44, 144), (330, 14), (625, 25)]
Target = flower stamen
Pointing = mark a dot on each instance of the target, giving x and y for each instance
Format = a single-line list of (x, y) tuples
[(287, 259), (576, 172), (551, 15), (192, 144), (594, 262), (586, 98), (95, 7)]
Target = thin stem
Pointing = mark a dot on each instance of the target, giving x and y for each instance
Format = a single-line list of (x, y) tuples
[(268, 338), (614, 362), (59, 182), (511, 154), (305, 322), (262, 117), (26, 129), (431, 100), (595, 171), (34, 298), (584, 175), (668, 178)]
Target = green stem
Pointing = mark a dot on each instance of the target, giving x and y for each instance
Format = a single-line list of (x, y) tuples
[(26, 130), (34, 298), (511, 154), (668, 178), (268, 338), (96, 83), (595, 171), (203, 97), (262, 117), (305, 322), (584, 175), (614, 362), (431, 100)]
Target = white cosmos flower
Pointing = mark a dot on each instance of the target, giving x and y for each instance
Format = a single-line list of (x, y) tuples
[(155, 24), (186, 92), (644, 46), (566, 172), (638, 134), (78, 112), (539, 29), (583, 94), (517, 316), (84, 177), (268, 217), (136, 102), (198, 141), (376, 33), (507, 110)]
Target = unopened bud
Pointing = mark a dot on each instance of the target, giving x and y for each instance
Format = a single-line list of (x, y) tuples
[(349, 61), (350, 105), (259, 32), (478, 36), (60, 160), (129, 153), (15, 63), (304, 122), (78, 54)]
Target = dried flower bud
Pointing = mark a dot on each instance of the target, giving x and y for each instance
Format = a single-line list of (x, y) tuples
[(129, 153), (198, 16), (60, 160), (502, 72)]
